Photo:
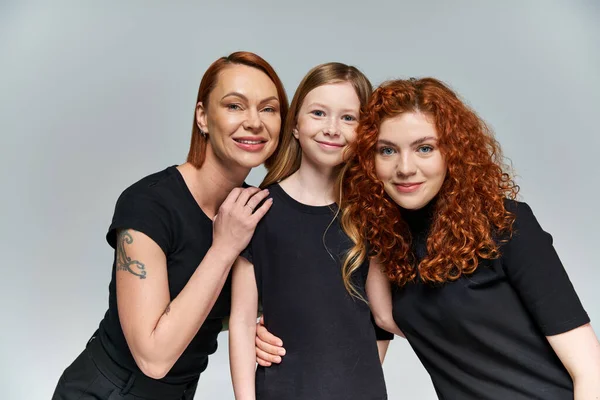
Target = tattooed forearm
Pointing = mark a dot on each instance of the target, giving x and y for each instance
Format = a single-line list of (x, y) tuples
[(125, 263)]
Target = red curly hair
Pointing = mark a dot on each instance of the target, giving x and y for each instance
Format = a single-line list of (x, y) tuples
[(470, 213)]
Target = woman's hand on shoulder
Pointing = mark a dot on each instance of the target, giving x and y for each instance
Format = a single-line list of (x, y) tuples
[(234, 224)]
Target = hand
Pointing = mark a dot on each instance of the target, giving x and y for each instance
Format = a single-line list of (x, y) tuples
[(234, 224), (268, 347)]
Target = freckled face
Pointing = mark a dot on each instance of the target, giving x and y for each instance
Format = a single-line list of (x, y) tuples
[(326, 123), (408, 161)]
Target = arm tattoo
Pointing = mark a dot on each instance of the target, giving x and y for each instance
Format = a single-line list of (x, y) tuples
[(125, 263)]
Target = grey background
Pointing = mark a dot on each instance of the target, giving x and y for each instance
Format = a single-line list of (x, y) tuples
[(97, 95)]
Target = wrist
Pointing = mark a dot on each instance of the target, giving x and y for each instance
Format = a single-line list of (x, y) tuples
[(223, 255)]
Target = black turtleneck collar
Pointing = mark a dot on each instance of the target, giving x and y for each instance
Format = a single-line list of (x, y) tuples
[(419, 221)]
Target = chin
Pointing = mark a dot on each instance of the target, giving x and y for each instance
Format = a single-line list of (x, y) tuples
[(250, 163)]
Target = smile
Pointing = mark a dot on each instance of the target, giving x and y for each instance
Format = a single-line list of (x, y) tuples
[(407, 187), (330, 145), (250, 144)]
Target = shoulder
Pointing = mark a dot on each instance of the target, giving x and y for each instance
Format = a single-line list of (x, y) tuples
[(148, 206), (525, 219), (156, 186), (527, 233)]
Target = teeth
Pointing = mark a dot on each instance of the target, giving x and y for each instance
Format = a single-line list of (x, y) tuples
[(250, 141)]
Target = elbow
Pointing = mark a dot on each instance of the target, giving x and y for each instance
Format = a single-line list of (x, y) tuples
[(385, 323), (382, 322), (152, 366), (153, 370)]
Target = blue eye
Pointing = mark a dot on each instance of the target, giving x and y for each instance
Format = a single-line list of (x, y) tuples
[(425, 149), (318, 113), (269, 109), (348, 118), (386, 151)]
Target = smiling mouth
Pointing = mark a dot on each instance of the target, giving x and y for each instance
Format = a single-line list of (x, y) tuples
[(329, 144), (250, 144), (407, 187), (247, 141)]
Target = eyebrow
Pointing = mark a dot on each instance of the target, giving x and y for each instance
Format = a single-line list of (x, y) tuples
[(416, 142), (241, 96), (317, 105), (345, 110)]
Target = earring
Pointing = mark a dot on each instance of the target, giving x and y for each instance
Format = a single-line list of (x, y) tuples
[(202, 133)]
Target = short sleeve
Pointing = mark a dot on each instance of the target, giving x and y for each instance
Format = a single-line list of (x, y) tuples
[(537, 274), (143, 212), (247, 253), (381, 334)]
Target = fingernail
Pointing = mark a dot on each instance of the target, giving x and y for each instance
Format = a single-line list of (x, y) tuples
[(282, 352)]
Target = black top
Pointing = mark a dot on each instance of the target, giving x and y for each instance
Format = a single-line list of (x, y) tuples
[(328, 335), (162, 207), (483, 336)]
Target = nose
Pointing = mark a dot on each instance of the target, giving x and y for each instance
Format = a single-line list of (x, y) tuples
[(253, 121), (406, 166), (332, 128)]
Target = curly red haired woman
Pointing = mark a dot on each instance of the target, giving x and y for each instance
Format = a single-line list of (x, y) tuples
[(477, 287)]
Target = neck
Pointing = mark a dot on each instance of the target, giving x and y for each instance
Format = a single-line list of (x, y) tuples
[(419, 220), (311, 184), (211, 183)]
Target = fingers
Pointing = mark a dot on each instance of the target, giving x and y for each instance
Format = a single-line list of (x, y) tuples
[(231, 197), (260, 212), (271, 350), (263, 363), (245, 195), (257, 198), (263, 335), (266, 357)]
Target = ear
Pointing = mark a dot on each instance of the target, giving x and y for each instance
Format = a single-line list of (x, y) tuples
[(201, 117), (295, 132)]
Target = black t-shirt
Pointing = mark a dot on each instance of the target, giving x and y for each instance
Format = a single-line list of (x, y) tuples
[(328, 335), (484, 335), (162, 207)]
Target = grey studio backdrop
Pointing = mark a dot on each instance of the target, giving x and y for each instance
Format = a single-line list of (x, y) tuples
[(98, 95)]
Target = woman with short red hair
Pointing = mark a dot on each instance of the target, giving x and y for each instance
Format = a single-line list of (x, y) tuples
[(478, 289), (176, 234)]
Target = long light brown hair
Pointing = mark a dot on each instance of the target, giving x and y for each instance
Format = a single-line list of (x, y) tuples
[(289, 154), (197, 152), (470, 212)]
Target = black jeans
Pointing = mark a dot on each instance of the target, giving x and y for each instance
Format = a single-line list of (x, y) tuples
[(93, 376)]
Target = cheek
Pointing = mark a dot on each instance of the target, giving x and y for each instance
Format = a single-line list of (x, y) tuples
[(273, 125), (223, 124), (436, 169), (382, 170), (308, 127), (350, 134)]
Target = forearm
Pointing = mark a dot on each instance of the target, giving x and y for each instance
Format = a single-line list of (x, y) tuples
[(242, 357), (184, 316), (579, 352), (587, 387)]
